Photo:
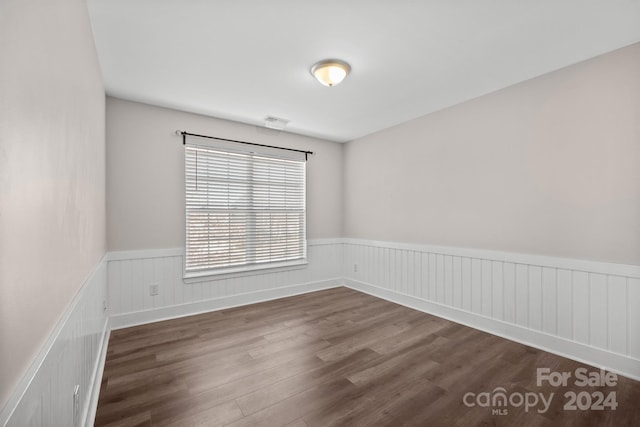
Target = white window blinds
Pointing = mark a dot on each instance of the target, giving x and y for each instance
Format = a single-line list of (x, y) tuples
[(243, 210)]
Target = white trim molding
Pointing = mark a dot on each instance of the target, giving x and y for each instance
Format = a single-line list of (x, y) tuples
[(133, 274), (145, 254), (189, 309), (580, 309), (513, 257), (169, 252), (613, 362), (72, 355), (92, 402), (583, 310)]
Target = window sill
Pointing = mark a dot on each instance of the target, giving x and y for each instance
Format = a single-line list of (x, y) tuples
[(226, 273)]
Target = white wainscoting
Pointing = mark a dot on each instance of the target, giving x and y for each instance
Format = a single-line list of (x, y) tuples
[(132, 273), (583, 310), (587, 311), (73, 354)]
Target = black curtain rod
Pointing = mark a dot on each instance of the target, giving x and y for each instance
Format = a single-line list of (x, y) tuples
[(185, 134)]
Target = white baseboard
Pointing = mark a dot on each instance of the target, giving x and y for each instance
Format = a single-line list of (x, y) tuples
[(96, 381), (613, 362), (165, 313), (595, 322), (620, 364)]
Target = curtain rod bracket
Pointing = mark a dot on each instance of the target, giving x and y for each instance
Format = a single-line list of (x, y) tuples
[(183, 134)]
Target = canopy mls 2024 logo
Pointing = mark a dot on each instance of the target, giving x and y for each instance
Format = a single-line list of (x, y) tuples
[(501, 401)]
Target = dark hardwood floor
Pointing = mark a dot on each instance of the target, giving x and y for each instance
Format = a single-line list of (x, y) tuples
[(336, 357)]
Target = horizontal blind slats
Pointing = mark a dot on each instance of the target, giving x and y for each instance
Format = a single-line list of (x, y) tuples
[(242, 209)]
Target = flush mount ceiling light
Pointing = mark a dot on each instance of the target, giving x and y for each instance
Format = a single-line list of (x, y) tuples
[(330, 72)]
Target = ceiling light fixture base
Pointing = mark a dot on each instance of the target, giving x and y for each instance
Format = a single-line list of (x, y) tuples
[(330, 72)]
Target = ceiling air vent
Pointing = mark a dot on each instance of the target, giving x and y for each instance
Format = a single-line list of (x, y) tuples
[(275, 123)]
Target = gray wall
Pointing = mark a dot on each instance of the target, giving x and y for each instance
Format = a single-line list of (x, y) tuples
[(145, 174), (550, 166), (52, 172)]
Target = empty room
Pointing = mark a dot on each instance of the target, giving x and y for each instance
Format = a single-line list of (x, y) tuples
[(339, 213)]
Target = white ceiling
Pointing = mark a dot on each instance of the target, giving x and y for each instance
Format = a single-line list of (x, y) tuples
[(244, 60)]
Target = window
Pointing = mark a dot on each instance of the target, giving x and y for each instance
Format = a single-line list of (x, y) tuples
[(244, 210)]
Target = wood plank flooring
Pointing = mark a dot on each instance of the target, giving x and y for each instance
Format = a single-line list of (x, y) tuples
[(335, 357)]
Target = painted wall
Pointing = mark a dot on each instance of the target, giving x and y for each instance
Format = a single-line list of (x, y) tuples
[(550, 166), (145, 174), (52, 173)]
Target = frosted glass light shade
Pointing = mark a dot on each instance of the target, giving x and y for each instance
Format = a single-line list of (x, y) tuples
[(330, 72)]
